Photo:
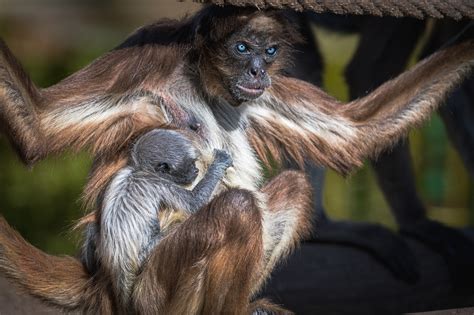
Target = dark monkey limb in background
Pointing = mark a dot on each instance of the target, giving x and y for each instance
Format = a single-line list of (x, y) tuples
[(389, 57), (144, 201), (384, 245), (458, 118), (222, 68), (382, 53)]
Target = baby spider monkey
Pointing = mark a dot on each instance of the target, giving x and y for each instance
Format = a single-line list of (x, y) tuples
[(144, 201)]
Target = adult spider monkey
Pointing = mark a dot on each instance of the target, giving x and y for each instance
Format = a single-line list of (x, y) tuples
[(222, 69)]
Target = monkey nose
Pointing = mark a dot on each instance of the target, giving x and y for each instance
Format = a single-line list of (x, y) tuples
[(256, 72)]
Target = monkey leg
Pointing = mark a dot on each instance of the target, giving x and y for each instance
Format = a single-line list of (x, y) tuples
[(458, 111), (396, 179), (393, 170), (287, 217), (208, 264)]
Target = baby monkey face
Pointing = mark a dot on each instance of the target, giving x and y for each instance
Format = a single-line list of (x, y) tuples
[(167, 153)]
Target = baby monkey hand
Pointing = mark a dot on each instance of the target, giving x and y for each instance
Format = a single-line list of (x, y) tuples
[(223, 158)]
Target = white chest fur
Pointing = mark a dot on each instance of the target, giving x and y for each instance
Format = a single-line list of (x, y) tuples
[(224, 128)]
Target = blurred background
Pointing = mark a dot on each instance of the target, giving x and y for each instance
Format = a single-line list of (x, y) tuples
[(53, 38)]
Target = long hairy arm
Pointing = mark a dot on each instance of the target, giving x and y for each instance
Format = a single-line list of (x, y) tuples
[(298, 120), (100, 107)]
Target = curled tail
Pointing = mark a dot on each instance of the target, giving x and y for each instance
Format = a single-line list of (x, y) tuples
[(62, 282)]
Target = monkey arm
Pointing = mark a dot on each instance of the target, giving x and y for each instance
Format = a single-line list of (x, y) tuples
[(99, 107), (295, 118), (203, 191), (177, 197)]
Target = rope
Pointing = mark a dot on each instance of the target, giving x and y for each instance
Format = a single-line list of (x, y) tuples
[(421, 9)]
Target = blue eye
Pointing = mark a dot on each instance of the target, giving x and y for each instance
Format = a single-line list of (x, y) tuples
[(241, 48), (271, 51)]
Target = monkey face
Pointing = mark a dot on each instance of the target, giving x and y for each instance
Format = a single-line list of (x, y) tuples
[(252, 52), (168, 154), (254, 59), (240, 62)]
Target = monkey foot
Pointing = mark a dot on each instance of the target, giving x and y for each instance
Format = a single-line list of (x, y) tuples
[(384, 245), (456, 249)]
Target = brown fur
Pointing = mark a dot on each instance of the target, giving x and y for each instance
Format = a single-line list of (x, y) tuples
[(17, 89), (212, 263), (59, 281), (222, 265), (270, 308), (214, 268), (378, 120), (151, 81), (140, 69)]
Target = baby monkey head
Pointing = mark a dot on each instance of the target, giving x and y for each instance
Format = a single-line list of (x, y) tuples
[(240, 51), (167, 153)]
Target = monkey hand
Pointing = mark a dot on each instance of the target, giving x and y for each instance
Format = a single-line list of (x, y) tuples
[(223, 158)]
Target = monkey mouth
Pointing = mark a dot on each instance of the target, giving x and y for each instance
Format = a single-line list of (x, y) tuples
[(251, 92)]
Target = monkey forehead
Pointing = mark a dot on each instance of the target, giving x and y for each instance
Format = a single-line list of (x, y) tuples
[(264, 23), (161, 136), (160, 142), (261, 29)]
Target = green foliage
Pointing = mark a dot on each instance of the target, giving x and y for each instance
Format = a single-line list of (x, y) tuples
[(44, 202)]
